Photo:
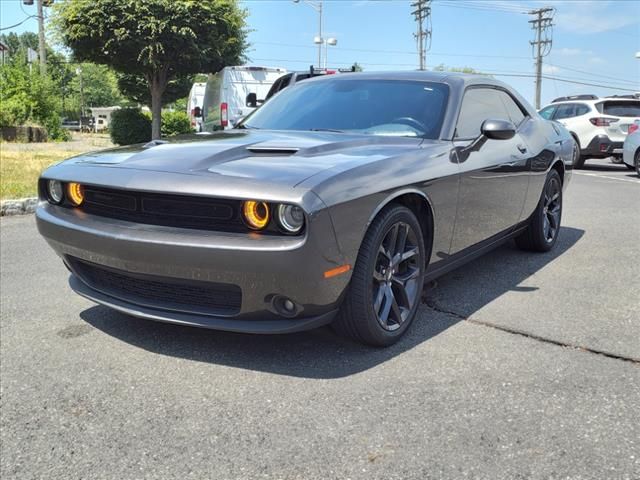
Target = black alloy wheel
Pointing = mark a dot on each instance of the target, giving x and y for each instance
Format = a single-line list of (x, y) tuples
[(542, 231), (552, 209), (386, 285), (396, 276)]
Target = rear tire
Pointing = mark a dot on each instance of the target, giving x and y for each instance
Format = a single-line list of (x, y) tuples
[(637, 162), (386, 286), (578, 158), (616, 160), (544, 225)]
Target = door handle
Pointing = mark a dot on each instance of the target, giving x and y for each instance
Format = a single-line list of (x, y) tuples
[(522, 148)]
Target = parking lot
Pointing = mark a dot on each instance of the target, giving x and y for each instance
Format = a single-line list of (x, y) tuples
[(518, 366)]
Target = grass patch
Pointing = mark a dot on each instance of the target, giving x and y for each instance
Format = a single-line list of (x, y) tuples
[(22, 163)]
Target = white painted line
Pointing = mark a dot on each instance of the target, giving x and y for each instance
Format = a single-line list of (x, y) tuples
[(607, 178)]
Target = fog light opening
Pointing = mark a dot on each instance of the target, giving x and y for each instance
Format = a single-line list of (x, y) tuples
[(284, 306)]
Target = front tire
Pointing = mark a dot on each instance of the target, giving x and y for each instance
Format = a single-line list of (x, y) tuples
[(542, 232), (637, 163), (386, 286)]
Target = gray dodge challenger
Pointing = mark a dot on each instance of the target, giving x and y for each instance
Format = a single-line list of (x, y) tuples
[(333, 202)]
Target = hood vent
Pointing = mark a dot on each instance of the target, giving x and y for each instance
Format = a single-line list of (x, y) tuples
[(272, 151)]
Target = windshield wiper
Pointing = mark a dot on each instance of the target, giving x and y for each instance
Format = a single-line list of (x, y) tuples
[(326, 130)]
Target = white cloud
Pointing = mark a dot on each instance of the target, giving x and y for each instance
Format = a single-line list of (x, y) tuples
[(589, 16), (573, 52), (550, 69)]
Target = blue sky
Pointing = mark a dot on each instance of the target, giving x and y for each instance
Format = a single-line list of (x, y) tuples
[(593, 41)]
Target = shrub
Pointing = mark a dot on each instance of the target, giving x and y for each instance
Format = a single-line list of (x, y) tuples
[(129, 125), (175, 123)]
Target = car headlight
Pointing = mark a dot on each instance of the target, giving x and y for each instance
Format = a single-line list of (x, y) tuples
[(256, 214), (291, 218), (55, 191), (75, 193)]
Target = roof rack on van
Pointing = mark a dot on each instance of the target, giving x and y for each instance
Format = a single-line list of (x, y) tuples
[(575, 97)]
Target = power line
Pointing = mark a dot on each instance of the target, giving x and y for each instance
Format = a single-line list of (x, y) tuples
[(397, 52), (481, 6), (608, 77), (422, 13), (18, 24)]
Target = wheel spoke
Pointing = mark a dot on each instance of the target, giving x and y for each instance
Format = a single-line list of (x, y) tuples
[(403, 278), (393, 239), (403, 231), (401, 292), (396, 311), (378, 277), (412, 252), (388, 300), (553, 221), (383, 251), (377, 303)]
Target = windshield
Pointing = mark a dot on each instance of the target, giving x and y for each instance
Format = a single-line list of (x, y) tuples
[(373, 107)]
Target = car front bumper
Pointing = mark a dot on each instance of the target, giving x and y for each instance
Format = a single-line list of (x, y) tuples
[(158, 269)]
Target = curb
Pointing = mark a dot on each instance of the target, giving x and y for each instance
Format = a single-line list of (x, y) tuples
[(20, 206)]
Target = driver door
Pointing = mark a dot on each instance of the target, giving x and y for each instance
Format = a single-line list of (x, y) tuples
[(494, 179)]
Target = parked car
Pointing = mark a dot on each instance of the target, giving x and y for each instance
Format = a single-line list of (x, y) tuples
[(333, 202), (72, 125), (599, 125), (234, 92), (292, 78), (631, 154)]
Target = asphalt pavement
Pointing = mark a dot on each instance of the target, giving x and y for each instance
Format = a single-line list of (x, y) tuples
[(518, 366)]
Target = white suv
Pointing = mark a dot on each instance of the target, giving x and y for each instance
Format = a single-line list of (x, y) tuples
[(599, 125)]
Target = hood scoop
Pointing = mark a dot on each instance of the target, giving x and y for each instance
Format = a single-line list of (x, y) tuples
[(272, 151)]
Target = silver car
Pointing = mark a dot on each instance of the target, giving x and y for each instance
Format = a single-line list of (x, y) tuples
[(631, 148)]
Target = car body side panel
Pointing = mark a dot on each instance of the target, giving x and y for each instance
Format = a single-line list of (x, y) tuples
[(354, 196)]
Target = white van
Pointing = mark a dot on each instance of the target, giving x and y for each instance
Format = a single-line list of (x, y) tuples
[(195, 104), (234, 92)]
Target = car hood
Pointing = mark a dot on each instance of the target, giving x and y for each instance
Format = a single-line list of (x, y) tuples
[(280, 157)]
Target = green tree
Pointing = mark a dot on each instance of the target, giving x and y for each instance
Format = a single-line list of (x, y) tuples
[(159, 40), (135, 88)]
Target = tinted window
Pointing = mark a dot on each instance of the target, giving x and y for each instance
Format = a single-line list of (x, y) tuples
[(513, 109), (374, 107), (620, 109), (582, 109), (478, 105), (547, 112), (566, 110)]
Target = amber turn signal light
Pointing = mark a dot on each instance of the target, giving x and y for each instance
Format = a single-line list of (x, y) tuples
[(75, 193), (256, 214)]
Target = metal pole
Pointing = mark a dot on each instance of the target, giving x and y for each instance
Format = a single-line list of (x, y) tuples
[(539, 61), (41, 44), (320, 35)]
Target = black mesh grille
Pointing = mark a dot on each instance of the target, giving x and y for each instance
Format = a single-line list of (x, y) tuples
[(189, 296), (181, 211)]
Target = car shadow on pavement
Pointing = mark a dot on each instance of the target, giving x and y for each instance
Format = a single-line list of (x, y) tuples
[(320, 353)]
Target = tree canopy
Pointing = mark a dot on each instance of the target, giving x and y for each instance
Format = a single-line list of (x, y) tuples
[(159, 40)]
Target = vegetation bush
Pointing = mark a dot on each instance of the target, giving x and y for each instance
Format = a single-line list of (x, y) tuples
[(129, 125), (175, 123), (29, 99)]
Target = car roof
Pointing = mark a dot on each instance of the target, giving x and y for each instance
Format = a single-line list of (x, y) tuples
[(592, 101)]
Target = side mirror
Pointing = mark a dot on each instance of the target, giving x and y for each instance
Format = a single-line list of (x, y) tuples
[(498, 129), (252, 100)]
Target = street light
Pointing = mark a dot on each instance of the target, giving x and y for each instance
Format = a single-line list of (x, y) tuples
[(318, 40), (330, 41)]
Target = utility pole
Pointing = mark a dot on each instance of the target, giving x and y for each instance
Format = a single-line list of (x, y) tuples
[(543, 27), (41, 44), (422, 13)]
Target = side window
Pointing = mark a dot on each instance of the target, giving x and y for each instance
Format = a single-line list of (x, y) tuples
[(285, 82), (582, 109), (547, 112), (513, 109), (566, 110), (478, 105)]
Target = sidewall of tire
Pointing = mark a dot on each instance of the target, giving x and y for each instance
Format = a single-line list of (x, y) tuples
[(357, 318)]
